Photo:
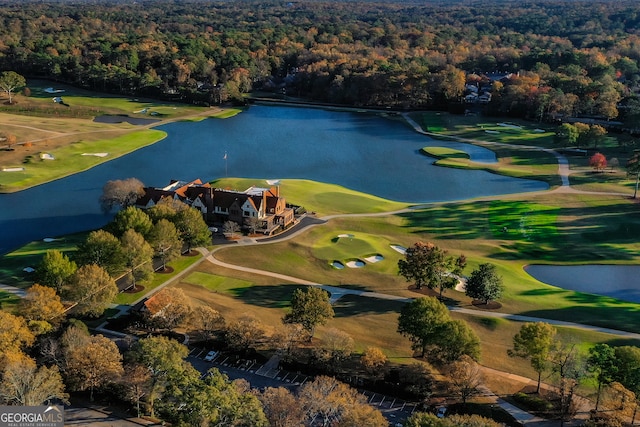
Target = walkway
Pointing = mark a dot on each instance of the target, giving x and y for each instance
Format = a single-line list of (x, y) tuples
[(13, 290)]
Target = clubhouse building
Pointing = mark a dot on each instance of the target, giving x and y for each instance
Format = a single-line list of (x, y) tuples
[(260, 210)]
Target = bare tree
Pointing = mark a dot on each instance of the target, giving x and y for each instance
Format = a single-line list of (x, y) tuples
[(230, 229), (24, 384), (465, 378), (121, 193)]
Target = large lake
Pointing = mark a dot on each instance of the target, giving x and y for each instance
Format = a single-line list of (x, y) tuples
[(359, 151)]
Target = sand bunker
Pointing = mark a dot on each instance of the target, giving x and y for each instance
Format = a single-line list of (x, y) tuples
[(355, 264), (374, 258), (399, 248), (337, 264), (12, 169), (539, 130), (96, 154), (345, 235), (46, 156), (510, 126), (492, 132)]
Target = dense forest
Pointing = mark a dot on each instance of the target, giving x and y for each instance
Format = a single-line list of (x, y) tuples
[(537, 59)]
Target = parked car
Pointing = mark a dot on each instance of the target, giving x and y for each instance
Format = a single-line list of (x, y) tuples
[(210, 356), (441, 412)]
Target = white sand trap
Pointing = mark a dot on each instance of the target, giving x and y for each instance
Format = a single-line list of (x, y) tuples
[(28, 269), (96, 154), (399, 248), (49, 239), (337, 264), (461, 285), (12, 169), (46, 156), (374, 258), (345, 235), (539, 130), (510, 126), (492, 132), (355, 264)]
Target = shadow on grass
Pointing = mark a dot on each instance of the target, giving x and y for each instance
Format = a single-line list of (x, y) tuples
[(353, 287), (7, 299), (353, 305), (271, 296), (594, 230), (610, 313), (543, 292)]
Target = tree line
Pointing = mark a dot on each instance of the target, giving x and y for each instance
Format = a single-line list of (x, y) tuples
[(568, 58)]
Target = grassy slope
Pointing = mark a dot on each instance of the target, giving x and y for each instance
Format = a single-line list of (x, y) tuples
[(524, 163), (570, 229), (67, 131), (322, 198), (69, 159)]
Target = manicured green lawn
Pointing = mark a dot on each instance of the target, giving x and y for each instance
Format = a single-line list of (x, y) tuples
[(346, 246), (322, 198), (7, 300), (105, 103), (216, 283), (70, 159), (30, 255), (565, 228), (444, 153)]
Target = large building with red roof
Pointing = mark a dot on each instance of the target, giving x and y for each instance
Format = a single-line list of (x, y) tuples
[(257, 209)]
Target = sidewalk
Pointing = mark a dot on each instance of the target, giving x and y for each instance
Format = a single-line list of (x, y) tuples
[(13, 290)]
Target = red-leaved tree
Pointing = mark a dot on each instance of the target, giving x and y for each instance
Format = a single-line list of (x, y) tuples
[(598, 161)]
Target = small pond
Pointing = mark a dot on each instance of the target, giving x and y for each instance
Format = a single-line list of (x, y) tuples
[(617, 281)]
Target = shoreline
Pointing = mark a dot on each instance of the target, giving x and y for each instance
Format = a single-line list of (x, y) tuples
[(7, 189)]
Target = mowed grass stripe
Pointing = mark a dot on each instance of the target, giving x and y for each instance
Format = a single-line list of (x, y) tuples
[(69, 159)]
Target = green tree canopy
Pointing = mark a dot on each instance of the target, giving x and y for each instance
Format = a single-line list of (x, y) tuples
[(103, 249), (170, 373), (423, 321), (91, 289), (534, 341), (633, 169), (566, 134), (310, 308), (55, 269), (427, 265), (215, 400), (424, 419), (457, 340), (484, 283), (165, 240), (130, 218), (10, 81), (628, 362), (138, 257), (603, 364), (193, 230)]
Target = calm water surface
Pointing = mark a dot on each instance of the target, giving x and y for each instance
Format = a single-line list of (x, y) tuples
[(617, 281), (359, 151)]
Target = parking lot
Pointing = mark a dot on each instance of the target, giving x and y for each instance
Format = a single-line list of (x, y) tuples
[(261, 375)]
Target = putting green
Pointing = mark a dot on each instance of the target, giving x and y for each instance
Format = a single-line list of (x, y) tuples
[(347, 247)]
